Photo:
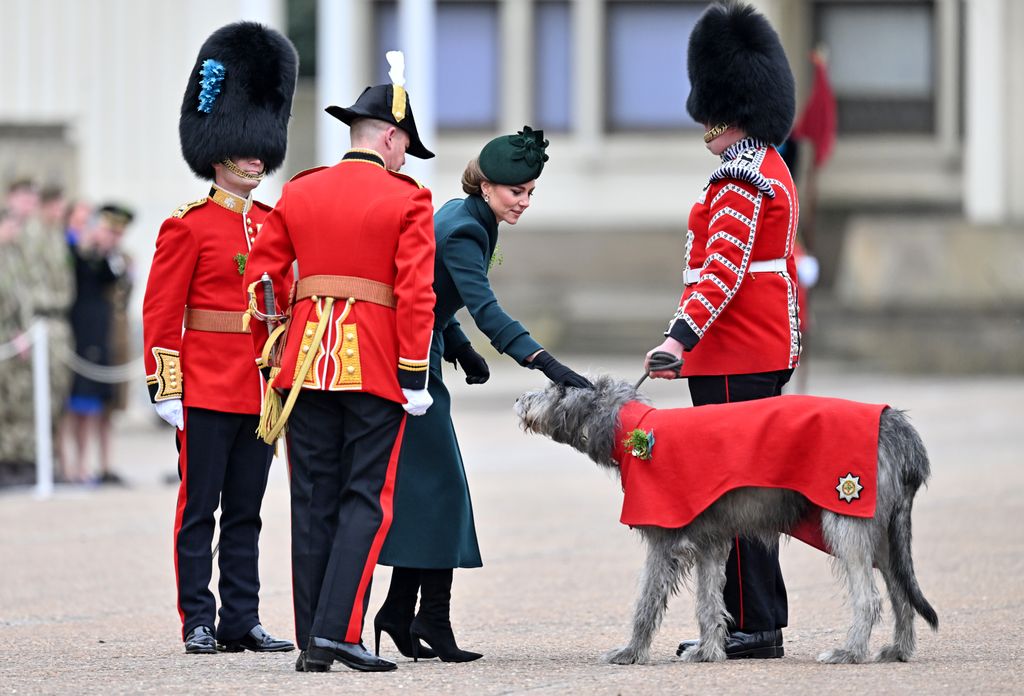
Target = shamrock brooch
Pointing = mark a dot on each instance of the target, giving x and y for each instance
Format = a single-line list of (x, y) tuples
[(639, 443)]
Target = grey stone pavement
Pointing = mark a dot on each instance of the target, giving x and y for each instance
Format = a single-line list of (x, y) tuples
[(87, 587)]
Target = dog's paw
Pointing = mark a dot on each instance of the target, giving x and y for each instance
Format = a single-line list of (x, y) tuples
[(695, 654), (840, 656), (627, 655), (890, 653)]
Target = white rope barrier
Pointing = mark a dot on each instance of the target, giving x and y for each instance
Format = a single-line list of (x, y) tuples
[(108, 374), (37, 339)]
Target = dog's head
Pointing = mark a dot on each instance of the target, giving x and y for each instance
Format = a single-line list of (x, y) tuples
[(584, 419)]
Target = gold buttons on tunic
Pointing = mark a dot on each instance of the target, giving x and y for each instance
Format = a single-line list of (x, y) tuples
[(309, 332), (351, 369), (349, 336), (351, 300), (350, 352), (314, 298), (305, 349)]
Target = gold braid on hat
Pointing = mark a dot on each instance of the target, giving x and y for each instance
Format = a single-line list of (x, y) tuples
[(238, 171)]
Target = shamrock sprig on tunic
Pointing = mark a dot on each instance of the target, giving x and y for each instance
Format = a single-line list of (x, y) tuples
[(639, 443), (240, 260), (497, 258)]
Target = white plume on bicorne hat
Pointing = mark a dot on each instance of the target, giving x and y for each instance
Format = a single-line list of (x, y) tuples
[(396, 59)]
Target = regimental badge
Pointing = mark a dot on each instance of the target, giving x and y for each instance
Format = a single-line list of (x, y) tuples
[(849, 487)]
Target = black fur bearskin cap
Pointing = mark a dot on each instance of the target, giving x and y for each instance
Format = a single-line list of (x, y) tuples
[(239, 98), (739, 74)]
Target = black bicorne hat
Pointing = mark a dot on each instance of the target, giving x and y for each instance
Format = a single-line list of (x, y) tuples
[(239, 98), (388, 103), (739, 73)]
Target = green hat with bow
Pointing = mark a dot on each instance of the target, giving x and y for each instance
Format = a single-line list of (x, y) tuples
[(514, 159)]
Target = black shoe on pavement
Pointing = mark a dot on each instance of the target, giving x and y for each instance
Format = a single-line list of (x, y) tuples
[(199, 641), (301, 665), (762, 645), (322, 651), (257, 640), (109, 478)]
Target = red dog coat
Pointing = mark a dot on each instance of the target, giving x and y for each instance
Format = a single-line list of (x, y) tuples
[(826, 449)]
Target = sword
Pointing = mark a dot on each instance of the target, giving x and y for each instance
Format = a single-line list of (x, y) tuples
[(269, 304)]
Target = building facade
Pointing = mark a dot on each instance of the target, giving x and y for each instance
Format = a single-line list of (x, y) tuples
[(920, 184)]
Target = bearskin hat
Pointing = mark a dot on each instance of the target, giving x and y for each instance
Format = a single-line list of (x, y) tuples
[(739, 73), (239, 98)]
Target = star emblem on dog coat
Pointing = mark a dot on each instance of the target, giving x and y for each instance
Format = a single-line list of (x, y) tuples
[(849, 487)]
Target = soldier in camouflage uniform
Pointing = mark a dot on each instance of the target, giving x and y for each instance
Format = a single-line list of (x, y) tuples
[(17, 435), (51, 292)]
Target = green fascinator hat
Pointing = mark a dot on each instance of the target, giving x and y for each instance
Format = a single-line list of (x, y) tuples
[(514, 159)]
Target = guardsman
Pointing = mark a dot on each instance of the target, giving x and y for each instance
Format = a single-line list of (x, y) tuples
[(737, 323), (204, 381), (356, 354)]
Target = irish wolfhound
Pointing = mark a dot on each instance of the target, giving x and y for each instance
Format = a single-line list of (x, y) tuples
[(589, 421)]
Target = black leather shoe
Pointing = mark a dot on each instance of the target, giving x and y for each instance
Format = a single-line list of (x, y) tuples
[(257, 640), (762, 645), (322, 651), (302, 665), (199, 641)]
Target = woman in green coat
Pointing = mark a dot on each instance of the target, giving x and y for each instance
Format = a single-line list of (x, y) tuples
[(432, 532)]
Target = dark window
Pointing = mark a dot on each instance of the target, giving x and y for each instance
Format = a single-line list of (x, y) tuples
[(466, 67), (881, 64), (302, 32), (553, 88), (646, 69)]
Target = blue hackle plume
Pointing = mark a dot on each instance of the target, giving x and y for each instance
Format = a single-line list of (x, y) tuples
[(212, 76)]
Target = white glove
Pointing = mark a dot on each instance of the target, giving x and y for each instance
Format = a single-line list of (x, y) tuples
[(417, 401), (172, 412), (807, 270)]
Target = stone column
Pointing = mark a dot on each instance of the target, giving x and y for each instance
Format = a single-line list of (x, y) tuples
[(985, 146)]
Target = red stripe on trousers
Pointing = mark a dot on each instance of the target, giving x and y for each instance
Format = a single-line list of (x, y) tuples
[(387, 499), (736, 543), (180, 510), (288, 464)]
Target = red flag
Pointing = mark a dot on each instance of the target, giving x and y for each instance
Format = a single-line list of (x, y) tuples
[(818, 121)]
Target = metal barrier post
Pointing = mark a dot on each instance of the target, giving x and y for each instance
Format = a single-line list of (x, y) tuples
[(41, 401)]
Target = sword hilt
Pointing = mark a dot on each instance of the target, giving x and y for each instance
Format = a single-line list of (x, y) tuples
[(269, 305)]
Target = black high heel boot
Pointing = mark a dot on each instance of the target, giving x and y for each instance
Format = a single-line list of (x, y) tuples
[(396, 614), (432, 624)]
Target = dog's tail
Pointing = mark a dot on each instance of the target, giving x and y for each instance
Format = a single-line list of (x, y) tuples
[(906, 448)]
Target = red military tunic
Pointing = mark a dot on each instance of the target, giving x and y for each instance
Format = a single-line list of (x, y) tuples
[(200, 253), (738, 311), (360, 220)]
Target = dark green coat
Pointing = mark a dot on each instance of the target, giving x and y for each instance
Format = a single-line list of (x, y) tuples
[(433, 515)]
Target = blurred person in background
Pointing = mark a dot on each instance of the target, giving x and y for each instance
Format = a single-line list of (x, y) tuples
[(17, 437), (17, 426), (76, 219), (99, 266), (433, 530), (52, 291), (737, 323), (233, 129)]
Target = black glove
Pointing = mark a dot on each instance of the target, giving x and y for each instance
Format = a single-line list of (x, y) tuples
[(559, 373), (472, 363)]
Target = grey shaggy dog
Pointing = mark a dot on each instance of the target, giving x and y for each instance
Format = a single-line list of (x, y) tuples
[(587, 420)]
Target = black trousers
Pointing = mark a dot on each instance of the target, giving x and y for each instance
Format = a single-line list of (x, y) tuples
[(221, 463), (755, 593), (343, 454)]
